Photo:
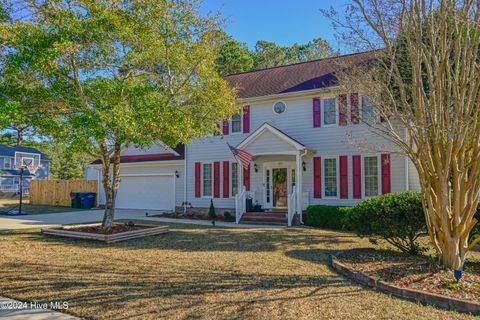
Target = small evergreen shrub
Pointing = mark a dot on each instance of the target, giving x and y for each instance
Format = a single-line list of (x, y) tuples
[(331, 217), (397, 218), (227, 216), (211, 212)]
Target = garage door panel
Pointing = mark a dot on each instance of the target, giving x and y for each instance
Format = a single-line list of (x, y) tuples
[(146, 192)]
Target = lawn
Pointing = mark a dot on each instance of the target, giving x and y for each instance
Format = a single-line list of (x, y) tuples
[(201, 273), (8, 204)]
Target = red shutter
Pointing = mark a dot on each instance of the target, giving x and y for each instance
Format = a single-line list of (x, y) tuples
[(357, 177), (342, 105), (317, 177), (316, 113), (343, 177), (226, 179), (216, 179), (246, 119), (385, 173), (197, 180), (354, 108), (226, 129), (246, 178)]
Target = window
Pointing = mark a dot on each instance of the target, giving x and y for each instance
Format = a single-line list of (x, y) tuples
[(370, 169), (329, 111), (207, 180), (234, 178), (279, 107), (236, 123), (330, 176), (7, 181), (16, 181), (368, 112), (7, 163)]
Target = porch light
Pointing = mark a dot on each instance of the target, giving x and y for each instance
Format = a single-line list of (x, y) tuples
[(255, 167), (177, 174), (304, 166)]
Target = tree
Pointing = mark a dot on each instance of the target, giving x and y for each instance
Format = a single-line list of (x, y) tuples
[(66, 163), (128, 73), (233, 57), (268, 54), (425, 79)]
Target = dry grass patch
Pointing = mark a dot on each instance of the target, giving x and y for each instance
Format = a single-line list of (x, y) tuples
[(198, 272)]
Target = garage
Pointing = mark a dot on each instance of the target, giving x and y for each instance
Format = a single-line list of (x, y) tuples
[(152, 192)]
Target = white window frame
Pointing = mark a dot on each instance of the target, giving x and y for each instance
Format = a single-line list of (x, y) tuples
[(241, 124), (338, 177), (322, 110), (273, 107), (374, 116), (379, 176), (5, 161), (202, 179), (231, 178)]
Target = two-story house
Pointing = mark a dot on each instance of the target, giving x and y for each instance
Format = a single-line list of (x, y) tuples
[(298, 125), (10, 174)]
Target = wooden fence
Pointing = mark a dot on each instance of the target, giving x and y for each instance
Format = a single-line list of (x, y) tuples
[(57, 192)]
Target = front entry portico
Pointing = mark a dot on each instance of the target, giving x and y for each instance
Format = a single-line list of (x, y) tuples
[(276, 172)]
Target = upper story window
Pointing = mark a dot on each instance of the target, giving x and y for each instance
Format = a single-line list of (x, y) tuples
[(370, 172), (330, 177), (7, 163), (279, 107), (207, 180), (368, 112), (329, 111), (237, 123)]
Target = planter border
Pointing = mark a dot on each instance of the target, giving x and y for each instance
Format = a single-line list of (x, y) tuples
[(150, 230), (423, 297)]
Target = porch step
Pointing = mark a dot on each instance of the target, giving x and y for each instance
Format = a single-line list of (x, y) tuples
[(276, 218)]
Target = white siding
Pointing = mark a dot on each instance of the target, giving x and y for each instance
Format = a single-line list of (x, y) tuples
[(297, 122), (413, 180)]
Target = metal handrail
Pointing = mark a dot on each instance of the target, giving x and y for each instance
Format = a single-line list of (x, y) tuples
[(240, 205)]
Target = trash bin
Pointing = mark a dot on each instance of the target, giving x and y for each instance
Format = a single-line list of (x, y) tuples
[(76, 201), (87, 200), (249, 205)]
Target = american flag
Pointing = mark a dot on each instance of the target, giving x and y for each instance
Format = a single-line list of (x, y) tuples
[(241, 155)]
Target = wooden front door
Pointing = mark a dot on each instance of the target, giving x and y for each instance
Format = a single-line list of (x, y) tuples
[(280, 187)]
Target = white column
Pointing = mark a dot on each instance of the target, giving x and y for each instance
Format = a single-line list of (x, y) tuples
[(298, 183)]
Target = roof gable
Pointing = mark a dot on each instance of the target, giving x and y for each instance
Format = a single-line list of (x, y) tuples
[(9, 151)]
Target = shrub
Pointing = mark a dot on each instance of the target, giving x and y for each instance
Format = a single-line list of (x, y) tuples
[(326, 216), (397, 218), (211, 212), (227, 216)]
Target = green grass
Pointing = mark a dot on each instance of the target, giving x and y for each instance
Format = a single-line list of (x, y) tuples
[(198, 272), (6, 205)]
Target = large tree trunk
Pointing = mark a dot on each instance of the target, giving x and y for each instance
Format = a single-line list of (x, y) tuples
[(111, 187)]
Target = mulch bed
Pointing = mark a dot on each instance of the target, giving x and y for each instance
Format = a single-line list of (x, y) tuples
[(118, 228), (415, 272), (192, 217)]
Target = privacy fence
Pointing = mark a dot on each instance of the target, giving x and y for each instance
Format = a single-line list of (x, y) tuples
[(57, 192)]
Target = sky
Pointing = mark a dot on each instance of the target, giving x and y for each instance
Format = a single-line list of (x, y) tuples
[(284, 22)]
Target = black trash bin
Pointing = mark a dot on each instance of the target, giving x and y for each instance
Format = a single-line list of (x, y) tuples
[(249, 205), (87, 200), (76, 200)]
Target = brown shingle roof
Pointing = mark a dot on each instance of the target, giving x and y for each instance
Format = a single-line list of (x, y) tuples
[(302, 76)]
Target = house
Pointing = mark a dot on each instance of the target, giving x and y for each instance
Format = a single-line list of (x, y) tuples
[(10, 173), (298, 125)]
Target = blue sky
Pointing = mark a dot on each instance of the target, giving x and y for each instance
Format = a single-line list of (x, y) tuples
[(282, 21)]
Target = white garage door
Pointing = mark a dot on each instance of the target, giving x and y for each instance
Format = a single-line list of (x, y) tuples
[(147, 192)]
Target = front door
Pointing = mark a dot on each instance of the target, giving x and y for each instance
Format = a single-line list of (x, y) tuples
[(280, 187)]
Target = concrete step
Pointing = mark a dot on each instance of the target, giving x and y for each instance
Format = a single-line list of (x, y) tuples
[(273, 223), (266, 214)]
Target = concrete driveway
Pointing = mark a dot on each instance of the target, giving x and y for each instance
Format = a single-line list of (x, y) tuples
[(90, 216)]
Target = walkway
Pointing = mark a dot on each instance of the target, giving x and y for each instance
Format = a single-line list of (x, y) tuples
[(78, 217)]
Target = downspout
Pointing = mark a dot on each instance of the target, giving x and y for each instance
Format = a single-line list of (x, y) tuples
[(185, 181), (407, 183)]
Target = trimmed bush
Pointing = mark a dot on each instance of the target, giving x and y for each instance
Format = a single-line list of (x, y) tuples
[(211, 212), (228, 216), (331, 217), (397, 218)]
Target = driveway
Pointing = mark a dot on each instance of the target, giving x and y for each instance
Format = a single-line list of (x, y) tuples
[(90, 216)]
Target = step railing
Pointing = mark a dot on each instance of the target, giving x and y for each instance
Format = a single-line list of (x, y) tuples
[(240, 205), (292, 204)]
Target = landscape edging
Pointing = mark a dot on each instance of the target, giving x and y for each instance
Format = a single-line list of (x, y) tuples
[(405, 293)]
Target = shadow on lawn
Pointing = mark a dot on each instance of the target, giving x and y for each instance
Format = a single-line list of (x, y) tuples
[(200, 238)]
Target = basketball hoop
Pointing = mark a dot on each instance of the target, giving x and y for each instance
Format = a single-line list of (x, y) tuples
[(22, 161), (29, 164)]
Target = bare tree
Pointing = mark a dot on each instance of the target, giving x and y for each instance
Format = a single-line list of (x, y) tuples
[(424, 77)]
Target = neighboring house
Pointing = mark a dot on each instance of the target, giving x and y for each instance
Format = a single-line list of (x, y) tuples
[(10, 175), (298, 124)]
